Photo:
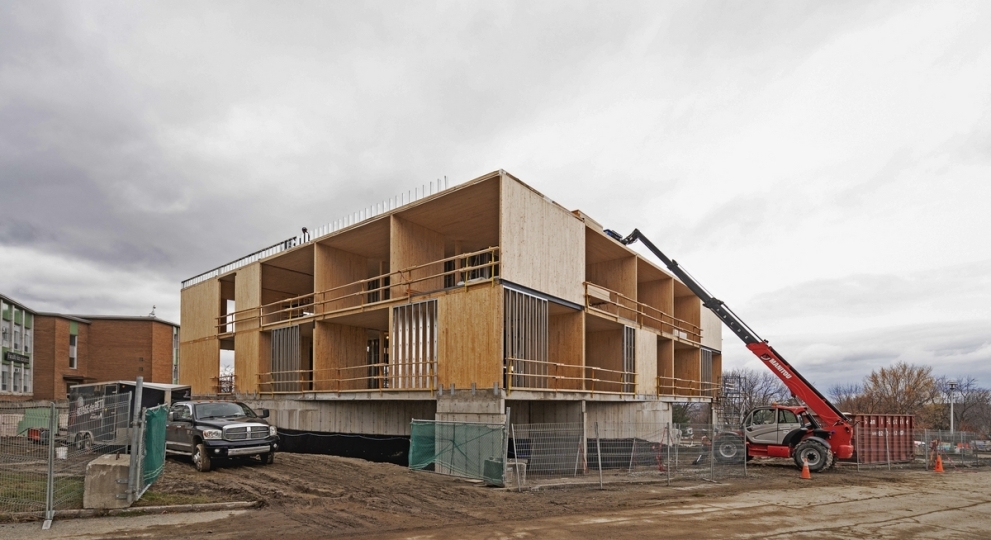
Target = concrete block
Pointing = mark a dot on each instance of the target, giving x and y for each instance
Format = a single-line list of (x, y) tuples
[(101, 487)]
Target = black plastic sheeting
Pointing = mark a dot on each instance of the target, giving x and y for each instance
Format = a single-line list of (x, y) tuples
[(377, 448)]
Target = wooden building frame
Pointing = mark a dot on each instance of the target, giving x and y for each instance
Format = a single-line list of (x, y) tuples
[(486, 285)]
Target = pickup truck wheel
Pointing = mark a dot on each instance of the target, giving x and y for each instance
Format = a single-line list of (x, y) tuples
[(267, 459), (729, 449), (201, 458), (818, 456)]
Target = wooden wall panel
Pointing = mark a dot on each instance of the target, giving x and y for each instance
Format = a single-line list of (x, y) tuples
[(646, 362), (199, 309), (665, 365), (688, 367), (566, 345), (619, 275), (604, 349), (658, 294), (413, 245), (542, 244), (246, 354), (333, 268), (199, 362), (687, 306), (337, 347), (470, 337), (248, 294), (712, 330)]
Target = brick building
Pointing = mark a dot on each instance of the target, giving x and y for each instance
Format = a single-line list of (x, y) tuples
[(47, 353)]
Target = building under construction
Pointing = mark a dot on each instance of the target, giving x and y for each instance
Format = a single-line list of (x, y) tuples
[(460, 304)]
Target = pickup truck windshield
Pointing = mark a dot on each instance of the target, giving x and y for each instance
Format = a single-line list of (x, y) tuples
[(222, 410)]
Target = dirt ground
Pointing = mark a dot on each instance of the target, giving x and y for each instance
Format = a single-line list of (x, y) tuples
[(310, 496)]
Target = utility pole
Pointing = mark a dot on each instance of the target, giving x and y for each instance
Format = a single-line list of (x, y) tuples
[(953, 387)]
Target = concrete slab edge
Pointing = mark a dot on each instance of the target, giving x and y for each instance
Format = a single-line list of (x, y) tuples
[(15, 517)]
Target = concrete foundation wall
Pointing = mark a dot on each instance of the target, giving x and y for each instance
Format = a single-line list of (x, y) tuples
[(364, 417), (619, 420), (466, 406)]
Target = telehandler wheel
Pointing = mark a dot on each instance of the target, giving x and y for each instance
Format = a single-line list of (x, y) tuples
[(815, 453), (729, 449)]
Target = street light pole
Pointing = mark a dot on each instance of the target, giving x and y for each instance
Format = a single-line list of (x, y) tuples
[(953, 387)]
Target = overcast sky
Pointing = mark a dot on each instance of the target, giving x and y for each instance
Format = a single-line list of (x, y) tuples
[(823, 167)]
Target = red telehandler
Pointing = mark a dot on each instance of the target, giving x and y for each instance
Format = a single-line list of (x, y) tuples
[(819, 437)]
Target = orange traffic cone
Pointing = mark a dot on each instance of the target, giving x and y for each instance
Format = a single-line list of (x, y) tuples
[(805, 470), (939, 464)]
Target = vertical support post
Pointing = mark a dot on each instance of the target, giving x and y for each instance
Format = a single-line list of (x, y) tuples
[(505, 447), (516, 458), (668, 468), (887, 449), (132, 471), (50, 479), (712, 446), (598, 452)]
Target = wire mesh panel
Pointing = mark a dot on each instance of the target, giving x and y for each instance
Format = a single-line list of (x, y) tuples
[(618, 452), (467, 449), (44, 450), (24, 457), (92, 427), (955, 449)]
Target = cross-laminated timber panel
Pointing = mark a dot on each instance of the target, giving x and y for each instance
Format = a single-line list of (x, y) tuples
[(565, 348), (199, 349), (414, 245), (687, 370), (646, 362), (334, 268), (541, 243), (470, 344), (339, 351)]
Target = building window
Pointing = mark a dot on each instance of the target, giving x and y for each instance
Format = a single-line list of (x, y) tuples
[(6, 334), (27, 380), (72, 352), (17, 338), (27, 342), (17, 379), (5, 382)]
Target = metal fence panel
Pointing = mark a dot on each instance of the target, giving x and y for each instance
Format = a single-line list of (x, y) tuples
[(543, 454), (466, 449), (44, 450)]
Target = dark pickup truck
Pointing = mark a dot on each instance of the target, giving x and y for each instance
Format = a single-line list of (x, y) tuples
[(208, 430)]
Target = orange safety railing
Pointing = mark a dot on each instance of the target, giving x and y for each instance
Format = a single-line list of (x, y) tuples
[(524, 374), (382, 377), (673, 386), (604, 300), (403, 285)]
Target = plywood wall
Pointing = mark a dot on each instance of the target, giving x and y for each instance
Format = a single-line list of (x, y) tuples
[(712, 330), (248, 294), (604, 349), (619, 275), (658, 294), (665, 364), (246, 354), (413, 245), (565, 345), (199, 309), (336, 348), (542, 244), (333, 268), (688, 308), (199, 362), (470, 337), (646, 362), (688, 367)]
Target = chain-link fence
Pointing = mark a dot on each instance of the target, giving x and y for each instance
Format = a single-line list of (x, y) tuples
[(542, 454), (45, 449), (466, 449)]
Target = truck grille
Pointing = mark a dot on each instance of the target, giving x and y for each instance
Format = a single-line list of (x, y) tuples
[(245, 433)]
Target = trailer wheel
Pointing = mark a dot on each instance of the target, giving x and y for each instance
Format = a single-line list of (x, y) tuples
[(201, 458), (815, 453), (84, 442), (729, 449)]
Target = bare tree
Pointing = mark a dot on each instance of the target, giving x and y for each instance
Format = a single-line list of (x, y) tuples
[(847, 397), (900, 389)]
